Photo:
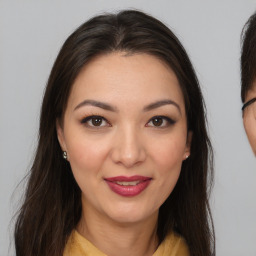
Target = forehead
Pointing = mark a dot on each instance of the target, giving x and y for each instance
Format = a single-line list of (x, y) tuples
[(131, 79)]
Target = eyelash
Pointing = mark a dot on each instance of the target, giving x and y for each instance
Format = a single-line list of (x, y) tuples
[(88, 119), (163, 118)]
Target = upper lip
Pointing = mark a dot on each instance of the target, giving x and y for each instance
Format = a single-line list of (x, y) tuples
[(127, 179)]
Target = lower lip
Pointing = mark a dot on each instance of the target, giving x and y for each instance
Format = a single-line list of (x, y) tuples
[(128, 191)]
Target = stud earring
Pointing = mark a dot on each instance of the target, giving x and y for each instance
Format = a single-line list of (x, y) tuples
[(187, 156), (65, 155)]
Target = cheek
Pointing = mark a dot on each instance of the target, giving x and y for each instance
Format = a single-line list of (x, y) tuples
[(250, 128), (86, 159), (168, 162), (170, 152), (86, 155)]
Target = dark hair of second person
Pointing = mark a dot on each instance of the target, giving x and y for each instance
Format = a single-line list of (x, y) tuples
[(248, 79)]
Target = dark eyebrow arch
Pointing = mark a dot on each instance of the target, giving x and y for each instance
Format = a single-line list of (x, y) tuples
[(95, 103), (161, 103)]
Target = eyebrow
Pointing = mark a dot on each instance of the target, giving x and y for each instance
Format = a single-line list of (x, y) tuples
[(96, 104), (108, 107), (161, 103)]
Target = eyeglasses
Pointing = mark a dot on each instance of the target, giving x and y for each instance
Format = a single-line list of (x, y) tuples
[(248, 103)]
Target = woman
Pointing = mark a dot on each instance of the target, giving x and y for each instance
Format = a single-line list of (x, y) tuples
[(123, 159)]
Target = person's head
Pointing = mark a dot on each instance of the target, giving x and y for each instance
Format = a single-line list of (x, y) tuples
[(248, 79), (126, 74)]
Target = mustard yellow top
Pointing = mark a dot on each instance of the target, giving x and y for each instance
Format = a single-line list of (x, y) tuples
[(77, 245)]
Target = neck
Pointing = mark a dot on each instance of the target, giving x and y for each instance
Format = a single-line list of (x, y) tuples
[(115, 239)]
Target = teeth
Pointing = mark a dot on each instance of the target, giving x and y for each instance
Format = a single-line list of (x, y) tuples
[(127, 183)]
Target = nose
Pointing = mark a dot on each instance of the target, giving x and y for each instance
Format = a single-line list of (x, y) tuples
[(128, 148)]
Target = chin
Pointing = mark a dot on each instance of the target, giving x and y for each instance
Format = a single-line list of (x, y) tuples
[(129, 215)]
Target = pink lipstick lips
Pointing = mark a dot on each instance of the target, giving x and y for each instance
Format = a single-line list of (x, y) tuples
[(128, 186)]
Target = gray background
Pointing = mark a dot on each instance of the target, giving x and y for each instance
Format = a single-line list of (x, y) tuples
[(31, 33)]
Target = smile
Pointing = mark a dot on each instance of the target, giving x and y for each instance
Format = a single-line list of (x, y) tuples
[(127, 183), (128, 186)]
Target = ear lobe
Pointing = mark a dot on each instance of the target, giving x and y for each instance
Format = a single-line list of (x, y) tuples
[(60, 136), (188, 145)]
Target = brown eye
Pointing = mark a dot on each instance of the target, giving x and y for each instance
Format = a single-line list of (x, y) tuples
[(160, 122), (157, 121), (96, 121)]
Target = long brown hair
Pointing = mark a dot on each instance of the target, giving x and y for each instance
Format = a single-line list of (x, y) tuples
[(52, 205)]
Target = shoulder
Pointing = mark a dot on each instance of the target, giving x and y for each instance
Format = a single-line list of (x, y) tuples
[(173, 245)]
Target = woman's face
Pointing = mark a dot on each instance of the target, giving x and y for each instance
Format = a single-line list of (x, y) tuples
[(125, 134), (249, 118)]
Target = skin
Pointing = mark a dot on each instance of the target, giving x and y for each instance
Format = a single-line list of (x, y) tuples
[(127, 142), (249, 118)]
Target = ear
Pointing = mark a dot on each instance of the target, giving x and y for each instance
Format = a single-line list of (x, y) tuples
[(188, 144), (60, 136)]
